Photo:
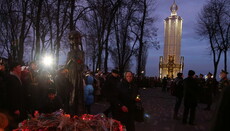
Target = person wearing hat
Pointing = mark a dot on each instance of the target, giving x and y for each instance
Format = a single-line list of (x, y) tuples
[(224, 80), (209, 89), (15, 95), (190, 97), (222, 116)]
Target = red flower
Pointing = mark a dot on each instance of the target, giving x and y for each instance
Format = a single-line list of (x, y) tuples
[(79, 61)]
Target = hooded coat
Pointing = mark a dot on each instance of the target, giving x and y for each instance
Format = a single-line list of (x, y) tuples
[(88, 91)]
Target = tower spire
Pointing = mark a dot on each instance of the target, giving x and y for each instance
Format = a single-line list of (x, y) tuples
[(174, 8)]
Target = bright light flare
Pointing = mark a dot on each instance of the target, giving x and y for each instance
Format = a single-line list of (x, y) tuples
[(47, 61), (146, 116)]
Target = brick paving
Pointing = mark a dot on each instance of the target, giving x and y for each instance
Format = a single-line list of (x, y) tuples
[(159, 106)]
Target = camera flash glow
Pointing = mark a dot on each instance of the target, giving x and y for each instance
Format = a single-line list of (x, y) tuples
[(47, 60)]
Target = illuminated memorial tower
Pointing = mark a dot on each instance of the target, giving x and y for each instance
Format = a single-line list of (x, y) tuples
[(172, 63)]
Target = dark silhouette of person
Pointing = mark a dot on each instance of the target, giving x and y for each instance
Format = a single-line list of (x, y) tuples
[(109, 89), (178, 83), (44, 83), (64, 88), (31, 84), (201, 90), (210, 84), (222, 114), (224, 80), (3, 76), (15, 95), (52, 102), (190, 98), (164, 84)]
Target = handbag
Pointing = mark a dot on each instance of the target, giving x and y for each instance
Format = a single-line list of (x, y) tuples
[(139, 112)]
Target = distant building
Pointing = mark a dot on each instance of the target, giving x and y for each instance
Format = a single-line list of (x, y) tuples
[(172, 63)]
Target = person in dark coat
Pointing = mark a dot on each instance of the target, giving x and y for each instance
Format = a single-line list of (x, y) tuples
[(201, 90), (178, 83), (222, 114), (44, 83), (15, 95), (209, 90), (3, 80), (190, 98), (224, 80), (110, 87), (64, 88), (164, 84), (124, 102), (30, 82), (52, 102)]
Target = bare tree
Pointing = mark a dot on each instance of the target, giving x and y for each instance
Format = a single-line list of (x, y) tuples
[(214, 25), (144, 35), (123, 42), (91, 54), (14, 28), (100, 19), (38, 11)]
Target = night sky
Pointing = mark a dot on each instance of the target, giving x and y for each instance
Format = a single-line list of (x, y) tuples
[(195, 51)]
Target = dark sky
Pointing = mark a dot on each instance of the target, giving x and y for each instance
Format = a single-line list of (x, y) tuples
[(195, 51)]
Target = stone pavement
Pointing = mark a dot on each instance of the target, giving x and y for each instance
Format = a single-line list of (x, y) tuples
[(159, 106)]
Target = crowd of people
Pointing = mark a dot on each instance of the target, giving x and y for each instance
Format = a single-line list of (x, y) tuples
[(26, 92), (194, 90)]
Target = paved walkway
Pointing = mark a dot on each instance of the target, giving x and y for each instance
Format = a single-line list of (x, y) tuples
[(159, 105)]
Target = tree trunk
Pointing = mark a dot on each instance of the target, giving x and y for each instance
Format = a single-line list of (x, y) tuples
[(113, 12), (57, 42), (23, 32), (139, 67), (98, 65), (71, 22), (37, 29), (225, 60)]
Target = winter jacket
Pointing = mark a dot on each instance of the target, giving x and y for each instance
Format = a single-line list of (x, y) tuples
[(88, 91), (190, 92)]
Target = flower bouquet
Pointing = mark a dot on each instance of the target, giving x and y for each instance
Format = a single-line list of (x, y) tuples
[(58, 121)]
